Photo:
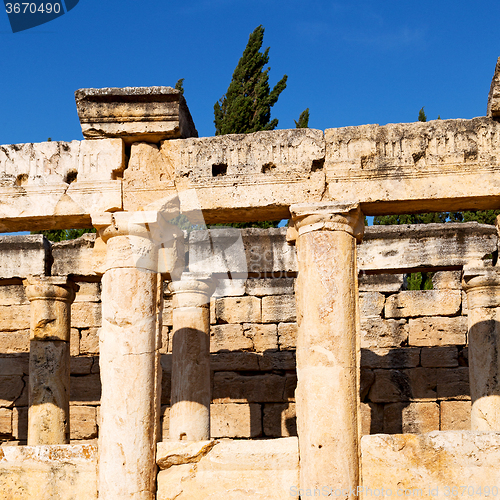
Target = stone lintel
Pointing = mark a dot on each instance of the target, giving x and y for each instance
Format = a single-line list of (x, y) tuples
[(342, 216)]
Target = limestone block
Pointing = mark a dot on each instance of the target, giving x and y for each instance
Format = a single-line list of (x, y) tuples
[(13, 387), (86, 315), (372, 418), (83, 423), (263, 337), (378, 332), (430, 465), (280, 420), (404, 357), (380, 282), (85, 390), (366, 380), (213, 316), (49, 472), (75, 257), (14, 318), (232, 387), (439, 356), (88, 291), (278, 308), (390, 386), (371, 304), (277, 360), (81, 365), (89, 340), (287, 335), (20, 422), (14, 342), (5, 422), (413, 303), (437, 331), (12, 295), (21, 256), (135, 114), (397, 168), (165, 422), (235, 361), (229, 420), (493, 108), (14, 365), (238, 310), (167, 312), (453, 383), (455, 415), (245, 172), (229, 469), (415, 418), (230, 288), (74, 342), (270, 286), (229, 338), (447, 279)]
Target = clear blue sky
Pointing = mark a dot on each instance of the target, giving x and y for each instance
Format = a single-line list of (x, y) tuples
[(350, 62)]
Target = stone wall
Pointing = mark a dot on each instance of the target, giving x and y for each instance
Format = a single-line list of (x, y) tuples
[(414, 363)]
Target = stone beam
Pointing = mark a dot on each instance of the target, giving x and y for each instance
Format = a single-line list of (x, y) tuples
[(24, 255), (384, 248), (52, 185)]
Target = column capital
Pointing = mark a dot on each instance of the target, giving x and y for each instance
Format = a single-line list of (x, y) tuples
[(482, 286), (342, 216), (59, 288), (192, 290)]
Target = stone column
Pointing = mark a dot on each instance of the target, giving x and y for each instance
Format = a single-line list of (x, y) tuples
[(483, 302), (190, 399), (128, 344), (50, 308), (327, 357)]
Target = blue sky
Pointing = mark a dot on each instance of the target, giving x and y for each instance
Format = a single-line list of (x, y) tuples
[(350, 62)]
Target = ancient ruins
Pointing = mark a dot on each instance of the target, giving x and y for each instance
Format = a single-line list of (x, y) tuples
[(147, 362)]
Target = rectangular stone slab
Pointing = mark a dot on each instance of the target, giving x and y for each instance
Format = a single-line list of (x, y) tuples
[(24, 255)]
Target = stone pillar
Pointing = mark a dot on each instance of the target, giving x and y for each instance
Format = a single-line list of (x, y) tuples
[(327, 357), (190, 399), (128, 344), (483, 302), (48, 414)]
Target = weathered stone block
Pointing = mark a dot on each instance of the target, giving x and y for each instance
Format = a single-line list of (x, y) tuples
[(20, 422), (12, 295), (378, 332), (390, 386), (83, 424), (447, 279), (14, 318), (13, 387), (413, 303), (414, 418), (455, 415), (235, 361), (404, 357), (277, 360), (21, 256), (230, 288), (88, 292), (372, 418), (232, 387), (86, 315), (287, 335), (89, 340), (423, 383), (270, 286), (74, 342), (85, 390), (263, 337), (14, 342), (380, 282), (229, 420), (439, 356), (280, 420), (493, 108), (229, 338), (453, 383), (228, 469), (371, 304), (278, 308), (5, 422), (81, 365), (75, 256), (238, 310), (438, 331), (14, 365)]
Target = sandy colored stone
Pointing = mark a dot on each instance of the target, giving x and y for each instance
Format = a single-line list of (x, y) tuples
[(86, 315), (437, 331), (167, 312), (232, 387), (74, 342), (229, 338), (278, 308), (75, 257), (416, 418), (88, 291), (89, 340), (372, 418), (12, 294), (83, 423), (230, 288), (413, 303), (493, 108), (379, 282), (5, 422), (427, 464), (371, 304), (238, 310), (14, 342), (287, 335), (404, 357), (447, 279), (20, 423), (455, 415), (270, 286), (49, 472), (229, 420), (231, 469), (14, 318), (439, 356), (263, 337), (378, 332), (280, 420)]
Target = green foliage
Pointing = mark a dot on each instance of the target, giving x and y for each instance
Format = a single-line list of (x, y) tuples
[(422, 117), (64, 234), (180, 85), (481, 216), (246, 106), (303, 119), (427, 218)]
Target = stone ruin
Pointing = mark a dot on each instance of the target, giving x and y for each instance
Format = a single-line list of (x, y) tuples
[(144, 362)]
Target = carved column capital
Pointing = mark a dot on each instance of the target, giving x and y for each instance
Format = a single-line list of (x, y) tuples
[(345, 216), (192, 290), (482, 286)]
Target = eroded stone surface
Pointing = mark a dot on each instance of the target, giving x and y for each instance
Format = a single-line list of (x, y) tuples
[(493, 108)]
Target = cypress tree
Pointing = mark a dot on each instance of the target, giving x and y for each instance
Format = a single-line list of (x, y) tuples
[(246, 106), (303, 119)]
